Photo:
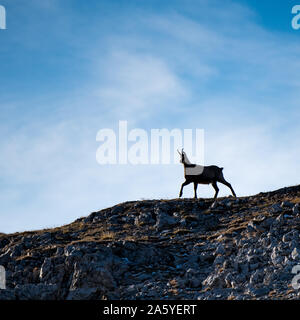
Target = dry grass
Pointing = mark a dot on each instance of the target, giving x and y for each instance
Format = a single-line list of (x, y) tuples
[(181, 231)]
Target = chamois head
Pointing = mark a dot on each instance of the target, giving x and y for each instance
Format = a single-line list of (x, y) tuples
[(182, 155)]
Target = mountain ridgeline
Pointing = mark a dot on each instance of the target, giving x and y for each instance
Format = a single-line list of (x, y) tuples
[(243, 248)]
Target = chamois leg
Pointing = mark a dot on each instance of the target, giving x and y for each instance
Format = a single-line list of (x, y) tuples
[(195, 189), (214, 184), (183, 185), (229, 186)]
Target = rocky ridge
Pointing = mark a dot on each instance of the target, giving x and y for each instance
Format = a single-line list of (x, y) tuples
[(242, 248)]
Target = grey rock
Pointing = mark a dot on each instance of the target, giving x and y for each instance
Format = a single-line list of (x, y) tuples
[(164, 220), (267, 223), (36, 292), (256, 277), (295, 254), (215, 281), (117, 210), (45, 269), (144, 218), (292, 235), (92, 275), (7, 294), (287, 204), (259, 292), (296, 209), (276, 208), (276, 257), (219, 260), (220, 249), (214, 205), (82, 294)]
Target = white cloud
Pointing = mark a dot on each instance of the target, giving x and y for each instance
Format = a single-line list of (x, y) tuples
[(137, 86)]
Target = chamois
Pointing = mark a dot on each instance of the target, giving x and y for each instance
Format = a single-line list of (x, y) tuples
[(197, 174)]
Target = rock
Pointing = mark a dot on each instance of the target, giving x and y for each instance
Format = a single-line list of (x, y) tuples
[(192, 279), (214, 205), (289, 236), (220, 249), (45, 269), (296, 209), (267, 223), (276, 257), (7, 294), (117, 210), (256, 277), (259, 292), (208, 222), (164, 220), (144, 218), (194, 283), (82, 294), (219, 260), (92, 275), (183, 222), (230, 281), (114, 218), (45, 238), (252, 226), (214, 281), (295, 254), (279, 220), (36, 292), (276, 208), (5, 257), (287, 204)]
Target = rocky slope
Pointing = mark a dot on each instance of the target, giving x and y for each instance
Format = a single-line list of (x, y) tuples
[(241, 248)]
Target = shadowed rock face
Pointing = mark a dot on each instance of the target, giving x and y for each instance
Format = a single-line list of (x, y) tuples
[(241, 248)]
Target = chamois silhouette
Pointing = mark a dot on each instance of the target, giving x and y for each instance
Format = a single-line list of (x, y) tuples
[(197, 174)]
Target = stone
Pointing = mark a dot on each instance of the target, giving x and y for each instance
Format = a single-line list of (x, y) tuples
[(92, 275), (45, 269), (214, 281), (287, 204), (82, 294), (256, 277), (144, 218), (295, 254), (289, 236), (296, 209), (220, 249), (164, 220), (276, 208), (7, 294), (36, 292)]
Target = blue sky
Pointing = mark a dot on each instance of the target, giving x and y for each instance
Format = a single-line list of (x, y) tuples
[(70, 68)]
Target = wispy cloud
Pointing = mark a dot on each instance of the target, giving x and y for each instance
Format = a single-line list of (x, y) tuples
[(139, 86)]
